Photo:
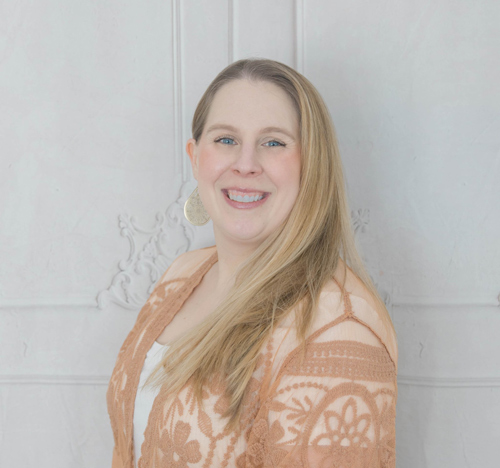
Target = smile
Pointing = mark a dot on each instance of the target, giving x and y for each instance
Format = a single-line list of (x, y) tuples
[(244, 198)]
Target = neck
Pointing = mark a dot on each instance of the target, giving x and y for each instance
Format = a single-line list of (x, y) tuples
[(230, 256)]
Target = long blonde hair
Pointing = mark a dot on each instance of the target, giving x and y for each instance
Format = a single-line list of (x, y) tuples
[(288, 269)]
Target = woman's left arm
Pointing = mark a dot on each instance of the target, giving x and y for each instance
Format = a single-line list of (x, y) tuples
[(337, 408)]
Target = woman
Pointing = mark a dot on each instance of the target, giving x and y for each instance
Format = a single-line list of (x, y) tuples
[(265, 349)]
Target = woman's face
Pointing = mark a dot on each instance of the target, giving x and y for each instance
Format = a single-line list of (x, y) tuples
[(247, 161)]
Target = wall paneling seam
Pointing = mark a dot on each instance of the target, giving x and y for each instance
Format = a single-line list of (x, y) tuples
[(404, 380), (299, 36)]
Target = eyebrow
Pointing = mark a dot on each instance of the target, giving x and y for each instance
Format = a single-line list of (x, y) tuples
[(264, 130)]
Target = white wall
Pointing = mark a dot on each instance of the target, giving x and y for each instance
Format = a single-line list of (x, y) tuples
[(96, 100)]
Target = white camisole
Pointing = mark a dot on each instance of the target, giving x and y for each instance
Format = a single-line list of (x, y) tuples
[(145, 397)]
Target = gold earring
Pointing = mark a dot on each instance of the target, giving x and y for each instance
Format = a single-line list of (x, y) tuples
[(194, 211)]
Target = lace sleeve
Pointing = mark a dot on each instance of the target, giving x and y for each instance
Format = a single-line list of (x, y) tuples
[(337, 408)]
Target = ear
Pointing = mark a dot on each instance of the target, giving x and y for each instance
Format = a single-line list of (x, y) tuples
[(192, 151)]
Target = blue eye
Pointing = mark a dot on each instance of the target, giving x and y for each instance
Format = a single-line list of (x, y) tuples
[(274, 143), (225, 141)]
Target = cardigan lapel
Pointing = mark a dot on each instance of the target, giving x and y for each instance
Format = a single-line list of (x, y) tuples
[(153, 328)]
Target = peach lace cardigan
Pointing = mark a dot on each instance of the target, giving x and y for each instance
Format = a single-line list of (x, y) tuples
[(337, 409)]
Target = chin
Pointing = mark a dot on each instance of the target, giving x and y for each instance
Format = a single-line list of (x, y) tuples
[(245, 233), (247, 236)]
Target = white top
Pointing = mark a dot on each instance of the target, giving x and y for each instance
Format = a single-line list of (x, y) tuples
[(145, 397)]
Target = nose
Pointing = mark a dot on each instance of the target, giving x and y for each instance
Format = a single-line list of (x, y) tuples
[(247, 161)]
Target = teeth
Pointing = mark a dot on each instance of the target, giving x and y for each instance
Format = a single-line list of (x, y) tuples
[(245, 198)]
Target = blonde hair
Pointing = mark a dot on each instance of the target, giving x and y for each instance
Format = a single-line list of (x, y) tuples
[(288, 269)]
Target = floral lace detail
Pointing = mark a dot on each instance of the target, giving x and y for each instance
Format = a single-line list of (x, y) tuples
[(334, 408), (213, 436), (265, 449), (346, 429), (178, 451)]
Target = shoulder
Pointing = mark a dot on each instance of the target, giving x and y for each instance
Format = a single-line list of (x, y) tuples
[(180, 271), (187, 263), (368, 320)]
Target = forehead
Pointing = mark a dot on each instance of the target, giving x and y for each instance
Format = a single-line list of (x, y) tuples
[(253, 104)]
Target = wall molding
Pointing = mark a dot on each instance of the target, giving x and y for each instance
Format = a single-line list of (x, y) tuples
[(180, 163), (299, 36), (52, 303), (455, 382), (153, 249), (230, 31), (234, 10), (92, 303), (40, 379), (151, 253), (404, 380), (444, 302), (172, 234)]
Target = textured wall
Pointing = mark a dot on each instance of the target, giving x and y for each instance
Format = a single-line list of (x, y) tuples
[(96, 100)]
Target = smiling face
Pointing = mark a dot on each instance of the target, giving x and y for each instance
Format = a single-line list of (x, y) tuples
[(247, 161)]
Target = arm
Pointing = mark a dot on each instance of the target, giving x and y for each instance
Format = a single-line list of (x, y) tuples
[(335, 409)]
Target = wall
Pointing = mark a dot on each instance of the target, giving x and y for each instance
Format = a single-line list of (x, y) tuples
[(96, 100)]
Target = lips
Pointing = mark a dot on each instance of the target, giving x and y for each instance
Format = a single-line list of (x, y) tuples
[(244, 197)]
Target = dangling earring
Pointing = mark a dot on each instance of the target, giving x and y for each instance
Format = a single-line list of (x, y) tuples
[(194, 211)]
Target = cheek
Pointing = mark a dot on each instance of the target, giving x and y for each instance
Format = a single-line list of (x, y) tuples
[(293, 175), (288, 174), (210, 165)]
